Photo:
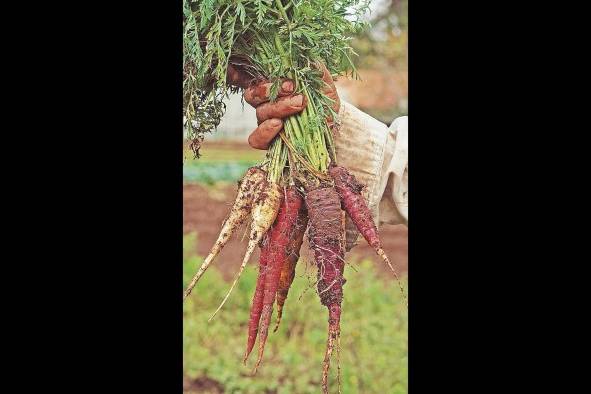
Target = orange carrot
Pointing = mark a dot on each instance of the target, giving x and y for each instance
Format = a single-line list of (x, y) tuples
[(288, 269), (257, 300)]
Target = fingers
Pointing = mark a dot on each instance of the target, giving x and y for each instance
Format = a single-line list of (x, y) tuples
[(269, 114), (326, 77), (329, 89), (282, 108), (262, 136), (257, 94)]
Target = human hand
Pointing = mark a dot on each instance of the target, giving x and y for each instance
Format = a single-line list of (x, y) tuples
[(269, 114)]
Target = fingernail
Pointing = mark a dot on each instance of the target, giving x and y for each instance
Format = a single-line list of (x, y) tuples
[(297, 101), (276, 122), (287, 86)]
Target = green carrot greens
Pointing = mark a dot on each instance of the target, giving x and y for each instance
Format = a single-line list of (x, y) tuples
[(269, 40)]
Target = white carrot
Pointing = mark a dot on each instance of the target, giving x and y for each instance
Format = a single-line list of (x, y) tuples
[(243, 204), (263, 215)]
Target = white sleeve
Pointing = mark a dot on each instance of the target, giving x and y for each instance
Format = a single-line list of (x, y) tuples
[(374, 154), (393, 189)]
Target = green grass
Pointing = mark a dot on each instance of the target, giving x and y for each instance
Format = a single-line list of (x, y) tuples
[(219, 164), (210, 154), (373, 334), (214, 172)]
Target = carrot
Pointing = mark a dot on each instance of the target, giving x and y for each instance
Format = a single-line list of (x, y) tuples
[(278, 251), (288, 270), (239, 212), (326, 236), (349, 190), (257, 300), (264, 211)]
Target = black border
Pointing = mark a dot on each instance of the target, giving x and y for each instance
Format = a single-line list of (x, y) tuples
[(95, 277), (100, 191)]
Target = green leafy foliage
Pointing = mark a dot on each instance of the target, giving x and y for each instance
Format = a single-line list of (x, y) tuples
[(268, 39), (373, 355)]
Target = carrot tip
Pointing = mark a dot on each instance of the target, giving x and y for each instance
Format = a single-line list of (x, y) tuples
[(383, 255), (279, 313), (246, 355), (333, 334), (255, 370)]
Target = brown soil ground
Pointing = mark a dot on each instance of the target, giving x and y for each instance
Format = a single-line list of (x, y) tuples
[(205, 208), (202, 385)]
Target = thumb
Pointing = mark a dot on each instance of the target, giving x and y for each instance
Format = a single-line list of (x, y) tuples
[(329, 89)]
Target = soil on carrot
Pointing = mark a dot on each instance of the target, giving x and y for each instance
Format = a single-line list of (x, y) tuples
[(206, 207)]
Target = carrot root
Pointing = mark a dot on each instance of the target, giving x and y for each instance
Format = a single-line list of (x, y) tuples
[(247, 191), (288, 270), (264, 212), (333, 338), (327, 238), (280, 236), (257, 300), (354, 204), (264, 332), (383, 255)]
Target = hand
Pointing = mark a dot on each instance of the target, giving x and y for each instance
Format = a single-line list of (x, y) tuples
[(270, 115)]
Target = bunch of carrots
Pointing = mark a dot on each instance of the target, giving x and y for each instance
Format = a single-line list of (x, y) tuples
[(299, 189)]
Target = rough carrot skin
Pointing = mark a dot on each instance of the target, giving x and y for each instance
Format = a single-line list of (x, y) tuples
[(277, 255), (327, 239), (349, 190), (247, 190), (285, 280), (288, 269), (264, 212)]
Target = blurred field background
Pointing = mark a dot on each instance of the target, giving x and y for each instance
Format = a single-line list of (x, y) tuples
[(373, 355)]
